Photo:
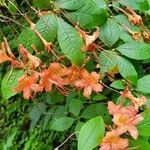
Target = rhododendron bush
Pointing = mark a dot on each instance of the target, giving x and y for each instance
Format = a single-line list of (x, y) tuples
[(83, 66)]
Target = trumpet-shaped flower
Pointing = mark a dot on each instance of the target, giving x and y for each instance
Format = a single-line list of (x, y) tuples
[(89, 82), (112, 141), (29, 59), (27, 84), (89, 40), (3, 55), (126, 123), (52, 75)]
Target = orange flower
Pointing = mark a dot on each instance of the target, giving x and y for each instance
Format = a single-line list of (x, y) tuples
[(137, 102), (89, 40), (52, 75), (134, 19), (3, 55), (112, 141), (27, 84), (73, 74), (89, 82), (32, 60), (115, 109), (126, 123)]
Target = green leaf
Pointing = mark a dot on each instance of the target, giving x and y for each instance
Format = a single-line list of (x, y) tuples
[(36, 113), (144, 126), (136, 5), (144, 5), (144, 84), (99, 97), (92, 13), (139, 144), (9, 82), (70, 42), (78, 128), (42, 4), (110, 32), (27, 38), (62, 124), (132, 3), (107, 60), (118, 84), (135, 50), (70, 4), (47, 27), (127, 70), (91, 134), (75, 106), (93, 110)]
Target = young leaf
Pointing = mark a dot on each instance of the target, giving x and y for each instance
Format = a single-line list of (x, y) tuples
[(70, 42), (91, 134), (135, 50), (127, 70), (92, 13), (144, 126), (10, 81), (62, 124), (144, 84), (110, 32), (47, 27), (27, 38)]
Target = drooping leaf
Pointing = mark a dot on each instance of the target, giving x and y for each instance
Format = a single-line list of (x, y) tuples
[(91, 134), (10, 81), (110, 32), (127, 70), (135, 50), (47, 27), (27, 38), (144, 84), (144, 126), (92, 13), (70, 4), (62, 124), (70, 42)]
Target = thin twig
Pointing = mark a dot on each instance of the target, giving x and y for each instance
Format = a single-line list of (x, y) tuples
[(57, 148)]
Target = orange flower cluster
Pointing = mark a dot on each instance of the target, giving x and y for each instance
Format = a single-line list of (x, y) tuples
[(125, 119), (38, 78), (59, 76)]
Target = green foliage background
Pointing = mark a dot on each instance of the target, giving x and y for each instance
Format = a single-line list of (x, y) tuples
[(34, 125)]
